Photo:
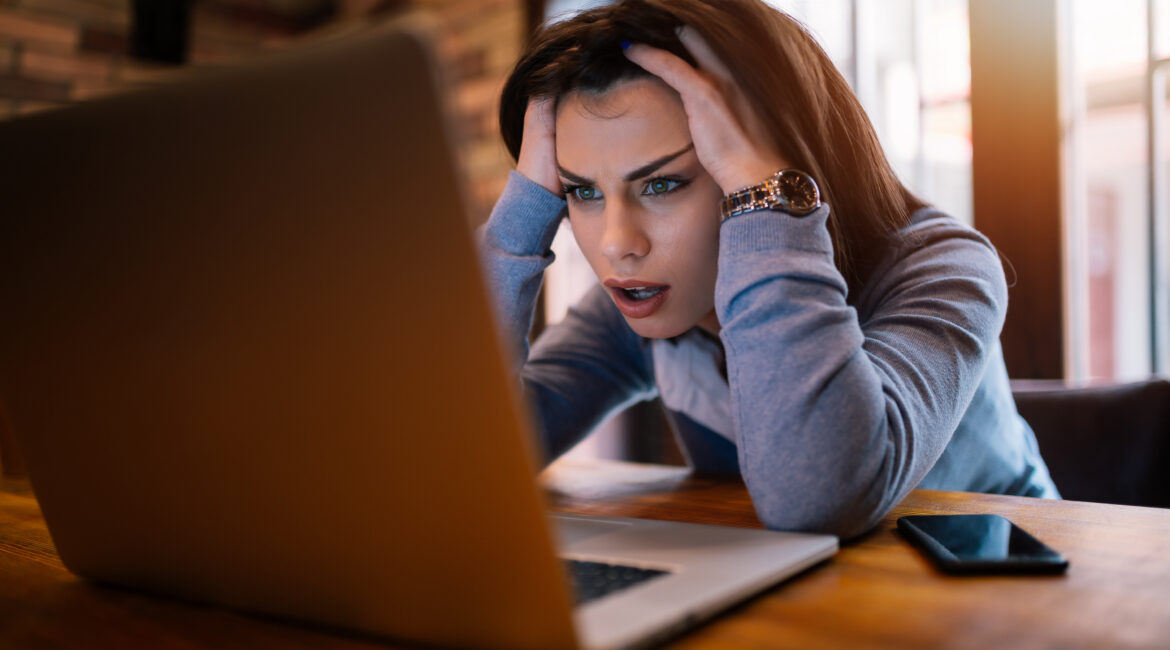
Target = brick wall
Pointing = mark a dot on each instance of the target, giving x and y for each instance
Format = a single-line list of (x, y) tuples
[(54, 52), (59, 51), (480, 42)]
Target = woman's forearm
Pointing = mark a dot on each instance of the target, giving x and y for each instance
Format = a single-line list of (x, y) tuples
[(836, 422), (515, 249)]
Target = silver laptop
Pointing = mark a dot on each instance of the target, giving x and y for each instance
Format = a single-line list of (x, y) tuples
[(247, 353)]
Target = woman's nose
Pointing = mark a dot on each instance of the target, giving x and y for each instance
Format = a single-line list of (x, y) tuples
[(623, 236)]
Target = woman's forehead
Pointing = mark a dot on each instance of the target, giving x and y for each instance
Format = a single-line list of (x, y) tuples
[(633, 120), (618, 99)]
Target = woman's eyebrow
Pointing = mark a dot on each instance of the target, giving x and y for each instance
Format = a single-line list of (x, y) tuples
[(653, 165), (641, 172), (573, 178)]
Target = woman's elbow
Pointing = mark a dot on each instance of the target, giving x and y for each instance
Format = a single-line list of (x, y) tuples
[(844, 522)]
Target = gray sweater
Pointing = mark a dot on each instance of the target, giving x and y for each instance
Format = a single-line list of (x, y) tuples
[(832, 413)]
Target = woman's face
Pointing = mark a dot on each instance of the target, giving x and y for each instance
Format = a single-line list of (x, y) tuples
[(642, 208)]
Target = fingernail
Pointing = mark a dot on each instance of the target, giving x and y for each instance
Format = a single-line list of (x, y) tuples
[(625, 44)]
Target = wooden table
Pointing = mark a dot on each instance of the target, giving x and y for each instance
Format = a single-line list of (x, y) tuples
[(877, 592)]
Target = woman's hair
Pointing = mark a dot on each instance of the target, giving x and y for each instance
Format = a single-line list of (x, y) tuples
[(811, 115)]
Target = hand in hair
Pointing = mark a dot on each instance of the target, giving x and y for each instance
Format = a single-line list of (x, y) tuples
[(538, 152), (726, 131)]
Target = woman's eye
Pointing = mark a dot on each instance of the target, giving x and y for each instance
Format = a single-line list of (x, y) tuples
[(582, 192), (660, 186)]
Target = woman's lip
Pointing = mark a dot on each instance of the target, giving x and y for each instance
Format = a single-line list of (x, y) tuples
[(638, 308), (614, 283)]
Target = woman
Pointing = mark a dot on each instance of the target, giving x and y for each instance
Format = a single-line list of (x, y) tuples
[(838, 347)]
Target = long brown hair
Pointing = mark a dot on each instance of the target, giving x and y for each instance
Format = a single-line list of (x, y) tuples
[(811, 115)]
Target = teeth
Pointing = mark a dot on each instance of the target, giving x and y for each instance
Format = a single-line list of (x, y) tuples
[(642, 293)]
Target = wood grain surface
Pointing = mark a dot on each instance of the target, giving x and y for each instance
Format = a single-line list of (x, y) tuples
[(877, 592)]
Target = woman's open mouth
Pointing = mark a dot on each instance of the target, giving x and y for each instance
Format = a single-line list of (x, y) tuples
[(643, 293), (637, 299)]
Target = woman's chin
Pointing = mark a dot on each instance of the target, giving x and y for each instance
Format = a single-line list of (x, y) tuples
[(657, 328)]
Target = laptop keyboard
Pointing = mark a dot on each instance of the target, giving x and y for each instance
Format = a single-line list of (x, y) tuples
[(593, 580)]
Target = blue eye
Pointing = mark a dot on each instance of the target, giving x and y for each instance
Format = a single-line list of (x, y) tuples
[(581, 192), (657, 186)]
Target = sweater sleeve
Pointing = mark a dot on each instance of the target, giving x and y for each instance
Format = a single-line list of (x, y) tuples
[(836, 419), (515, 247), (581, 369)]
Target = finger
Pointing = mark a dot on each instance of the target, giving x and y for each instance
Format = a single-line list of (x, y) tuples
[(677, 74), (702, 53), (538, 158), (710, 63), (700, 93), (539, 118)]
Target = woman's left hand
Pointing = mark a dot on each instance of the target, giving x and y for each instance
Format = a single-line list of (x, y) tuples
[(730, 141)]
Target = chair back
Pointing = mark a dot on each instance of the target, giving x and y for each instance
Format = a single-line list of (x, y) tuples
[(1107, 443), (11, 462)]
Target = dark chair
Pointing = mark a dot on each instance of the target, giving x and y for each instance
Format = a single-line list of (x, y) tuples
[(11, 462), (1107, 443)]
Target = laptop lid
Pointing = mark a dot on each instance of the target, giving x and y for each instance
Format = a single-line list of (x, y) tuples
[(245, 349)]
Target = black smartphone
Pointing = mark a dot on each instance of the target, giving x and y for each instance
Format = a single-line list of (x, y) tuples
[(980, 544)]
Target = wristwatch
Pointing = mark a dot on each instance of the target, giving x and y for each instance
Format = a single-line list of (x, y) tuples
[(788, 190)]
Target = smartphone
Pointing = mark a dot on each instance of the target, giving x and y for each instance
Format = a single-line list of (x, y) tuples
[(967, 544)]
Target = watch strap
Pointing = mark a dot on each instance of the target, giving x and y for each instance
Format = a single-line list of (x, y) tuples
[(767, 195)]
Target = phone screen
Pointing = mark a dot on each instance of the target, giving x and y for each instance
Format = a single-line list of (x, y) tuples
[(980, 544)]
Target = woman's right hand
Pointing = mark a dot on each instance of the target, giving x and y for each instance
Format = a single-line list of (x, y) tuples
[(538, 149)]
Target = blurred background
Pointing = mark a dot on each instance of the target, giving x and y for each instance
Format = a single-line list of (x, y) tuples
[(1042, 122)]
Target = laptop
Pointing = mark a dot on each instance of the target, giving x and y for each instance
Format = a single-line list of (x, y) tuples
[(249, 358)]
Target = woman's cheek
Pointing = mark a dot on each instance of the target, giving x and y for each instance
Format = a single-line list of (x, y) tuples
[(584, 235)]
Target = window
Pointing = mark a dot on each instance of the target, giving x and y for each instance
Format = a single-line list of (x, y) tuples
[(909, 63), (1116, 194)]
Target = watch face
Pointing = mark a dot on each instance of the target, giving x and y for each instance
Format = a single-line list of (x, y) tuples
[(798, 191)]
